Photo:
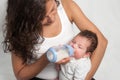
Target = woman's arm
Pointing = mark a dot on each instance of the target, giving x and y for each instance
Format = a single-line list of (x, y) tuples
[(76, 15), (27, 71)]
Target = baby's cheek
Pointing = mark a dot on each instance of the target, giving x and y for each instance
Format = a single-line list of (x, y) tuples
[(77, 55)]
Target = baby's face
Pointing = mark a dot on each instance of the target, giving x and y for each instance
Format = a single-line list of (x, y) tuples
[(80, 45)]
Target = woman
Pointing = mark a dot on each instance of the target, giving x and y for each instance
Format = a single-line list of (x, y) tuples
[(33, 26)]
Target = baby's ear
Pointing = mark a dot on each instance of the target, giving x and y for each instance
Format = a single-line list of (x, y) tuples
[(88, 54)]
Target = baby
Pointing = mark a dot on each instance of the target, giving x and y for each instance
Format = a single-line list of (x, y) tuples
[(83, 44)]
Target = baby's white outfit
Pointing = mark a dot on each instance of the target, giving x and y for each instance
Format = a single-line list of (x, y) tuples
[(75, 69)]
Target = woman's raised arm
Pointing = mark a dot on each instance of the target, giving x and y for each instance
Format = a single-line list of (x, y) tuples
[(77, 16)]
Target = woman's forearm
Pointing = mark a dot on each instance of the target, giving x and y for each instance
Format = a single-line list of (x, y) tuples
[(31, 70), (97, 56)]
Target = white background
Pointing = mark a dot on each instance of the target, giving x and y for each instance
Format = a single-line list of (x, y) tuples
[(105, 15)]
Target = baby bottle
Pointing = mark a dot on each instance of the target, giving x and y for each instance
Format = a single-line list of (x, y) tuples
[(55, 54)]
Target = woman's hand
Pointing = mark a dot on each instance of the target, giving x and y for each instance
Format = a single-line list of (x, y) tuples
[(63, 61)]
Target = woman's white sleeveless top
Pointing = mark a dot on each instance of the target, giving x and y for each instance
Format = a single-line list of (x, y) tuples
[(66, 34)]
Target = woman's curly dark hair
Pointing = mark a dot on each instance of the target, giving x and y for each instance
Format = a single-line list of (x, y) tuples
[(23, 27)]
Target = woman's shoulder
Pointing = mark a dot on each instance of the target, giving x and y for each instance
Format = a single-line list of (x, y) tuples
[(70, 7), (66, 4), (69, 4), (67, 1)]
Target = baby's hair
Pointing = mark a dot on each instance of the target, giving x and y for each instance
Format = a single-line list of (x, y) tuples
[(92, 37)]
